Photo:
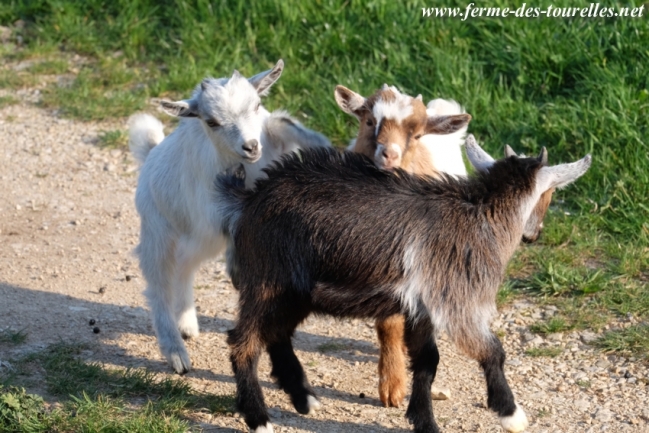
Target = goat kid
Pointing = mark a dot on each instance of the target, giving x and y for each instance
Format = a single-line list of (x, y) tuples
[(384, 131), (396, 130), (331, 233), (223, 125)]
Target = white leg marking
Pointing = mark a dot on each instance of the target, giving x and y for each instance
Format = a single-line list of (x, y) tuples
[(268, 428), (313, 403), (516, 422)]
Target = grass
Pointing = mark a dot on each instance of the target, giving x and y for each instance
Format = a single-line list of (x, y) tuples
[(99, 399), (115, 139), (13, 337), (7, 100), (633, 340), (331, 347), (576, 86), (549, 352)]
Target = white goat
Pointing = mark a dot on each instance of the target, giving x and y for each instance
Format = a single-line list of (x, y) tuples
[(223, 126)]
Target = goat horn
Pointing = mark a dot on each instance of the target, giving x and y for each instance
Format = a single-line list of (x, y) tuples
[(543, 156), (509, 151), (419, 97)]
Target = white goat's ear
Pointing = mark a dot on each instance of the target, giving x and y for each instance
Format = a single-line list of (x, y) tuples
[(561, 175), (509, 151), (480, 159), (543, 156), (349, 101), (186, 108), (262, 81), (447, 124)]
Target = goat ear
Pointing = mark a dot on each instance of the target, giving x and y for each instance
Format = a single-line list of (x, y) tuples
[(185, 108), (349, 101), (509, 151), (543, 156), (561, 175), (447, 124), (264, 80), (480, 159), (419, 98)]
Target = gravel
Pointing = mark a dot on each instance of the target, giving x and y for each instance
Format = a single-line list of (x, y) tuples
[(68, 227)]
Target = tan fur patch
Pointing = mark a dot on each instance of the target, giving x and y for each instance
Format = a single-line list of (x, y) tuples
[(392, 362)]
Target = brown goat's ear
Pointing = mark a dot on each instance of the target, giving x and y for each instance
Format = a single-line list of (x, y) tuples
[(509, 151), (349, 101), (447, 124), (543, 156)]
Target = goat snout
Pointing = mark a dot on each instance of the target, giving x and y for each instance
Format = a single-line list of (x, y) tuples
[(388, 157), (251, 149)]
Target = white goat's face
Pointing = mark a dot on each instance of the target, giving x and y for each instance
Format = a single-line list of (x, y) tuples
[(232, 116), (231, 112)]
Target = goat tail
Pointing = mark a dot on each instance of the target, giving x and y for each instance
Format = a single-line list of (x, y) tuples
[(291, 134), (144, 133)]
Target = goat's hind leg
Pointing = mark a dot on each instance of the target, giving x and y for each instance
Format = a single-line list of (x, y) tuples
[(392, 360), (424, 358), (245, 347), (291, 377), (156, 253), (184, 308)]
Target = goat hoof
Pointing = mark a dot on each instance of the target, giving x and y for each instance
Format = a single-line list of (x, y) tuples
[(266, 428), (313, 404), (516, 422), (188, 326), (180, 363), (392, 394)]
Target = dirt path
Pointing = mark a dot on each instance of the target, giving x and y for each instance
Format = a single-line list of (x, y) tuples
[(67, 229)]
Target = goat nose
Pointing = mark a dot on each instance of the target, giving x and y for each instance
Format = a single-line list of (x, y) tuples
[(389, 154), (251, 145)]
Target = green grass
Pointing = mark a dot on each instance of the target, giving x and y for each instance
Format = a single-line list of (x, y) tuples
[(576, 86), (331, 347), (13, 337), (549, 352), (7, 100), (99, 399), (115, 139), (633, 340)]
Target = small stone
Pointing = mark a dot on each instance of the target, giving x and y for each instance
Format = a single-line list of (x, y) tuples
[(361, 395), (102, 289), (109, 167), (128, 278), (582, 405), (588, 337), (91, 322), (555, 337), (603, 415), (96, 330), (440, 393), (602, 363), (627, 375), (18, 207)]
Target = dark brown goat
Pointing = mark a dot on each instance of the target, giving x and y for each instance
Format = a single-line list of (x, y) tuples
[(332, 234)]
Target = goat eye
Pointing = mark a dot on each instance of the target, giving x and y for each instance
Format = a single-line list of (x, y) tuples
[(369, 122), (212, 123), (418, 136)]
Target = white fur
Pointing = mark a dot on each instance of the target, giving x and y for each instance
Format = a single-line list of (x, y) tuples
[(313, 403), (397, 110), (180, 218), (268, 428), (446, 150), (515, 423), (146, 132)]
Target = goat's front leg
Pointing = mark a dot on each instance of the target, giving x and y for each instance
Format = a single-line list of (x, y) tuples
[(392, 360), (424, 358), (499, 395)]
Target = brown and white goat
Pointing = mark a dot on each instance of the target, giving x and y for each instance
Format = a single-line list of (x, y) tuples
[(426, 142), (330, 233), (392, 126)]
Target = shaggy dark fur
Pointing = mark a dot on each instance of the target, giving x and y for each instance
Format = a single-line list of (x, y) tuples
[(330, 233)]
